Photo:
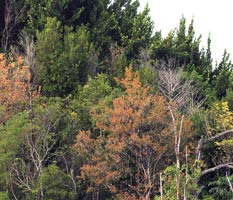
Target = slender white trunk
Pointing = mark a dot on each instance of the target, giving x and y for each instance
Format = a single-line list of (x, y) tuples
[(161, 186)]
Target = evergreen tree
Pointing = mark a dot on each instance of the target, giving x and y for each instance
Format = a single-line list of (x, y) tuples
[(222, 76), (141, 34), (62, 57), (180, 45)]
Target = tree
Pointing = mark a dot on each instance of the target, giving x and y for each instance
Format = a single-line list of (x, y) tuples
[(136, 129), (221, 76), (214, 149), (182, 45), (14, 15), (39, 10), (178, 93), (11, 138), (68, 12), (121, 25), (30, 141), (60, 187), (89, 97), (141, 34), (15, 80), (63, 60), (125, 12)]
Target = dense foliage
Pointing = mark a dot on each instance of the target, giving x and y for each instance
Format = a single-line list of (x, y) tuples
[(96, 105)]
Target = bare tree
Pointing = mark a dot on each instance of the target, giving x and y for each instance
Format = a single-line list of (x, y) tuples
[(145, 58), (14, 13), (161, 186), (178, 92), (37, 150), (28, 47), (173, 86), (69, 168)]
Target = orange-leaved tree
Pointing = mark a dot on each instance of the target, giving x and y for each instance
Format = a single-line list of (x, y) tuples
[(15, 81), (16, 90), (135, 133)]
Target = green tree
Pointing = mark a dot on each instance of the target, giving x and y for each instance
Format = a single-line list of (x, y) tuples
[(12, 136), (39, 10), (98, 89), (222, 76), (69, 12), (215, 151), (63, 57), (181, 45), (30, 141), (140, 37), (57, 184)]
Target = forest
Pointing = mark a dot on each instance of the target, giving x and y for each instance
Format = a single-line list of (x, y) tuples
[(96, 105)]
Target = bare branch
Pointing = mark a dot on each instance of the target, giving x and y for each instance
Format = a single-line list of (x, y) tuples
[(225, 165), (229, 182), (13, 15), (172, 84), (202, 141)]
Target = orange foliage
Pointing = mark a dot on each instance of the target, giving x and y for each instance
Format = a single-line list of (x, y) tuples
[(138, 129), (15, 82)]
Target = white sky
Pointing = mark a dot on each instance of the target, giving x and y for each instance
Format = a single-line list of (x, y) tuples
[(210, 16)]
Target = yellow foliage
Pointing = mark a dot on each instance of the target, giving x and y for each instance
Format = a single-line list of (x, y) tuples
[(223, 120), (223, 116)]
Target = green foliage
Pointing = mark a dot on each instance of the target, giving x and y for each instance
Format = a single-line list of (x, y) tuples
[(4, 196), (57, 184), (125, 12), (141, 34), (79, 47), (29, 141), (38, 12), (219, 118), (148, 76), (62, 56), (222, 76), (220, 188), (188, 181), (181, 45), (120, 24), (11, 137), (207, 62), (89, 97), (169, 186), (229, 98), (198, 118)]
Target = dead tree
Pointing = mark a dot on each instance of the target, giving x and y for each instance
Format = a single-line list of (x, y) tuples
[(178, 93), (14, 14), (38, 145)]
